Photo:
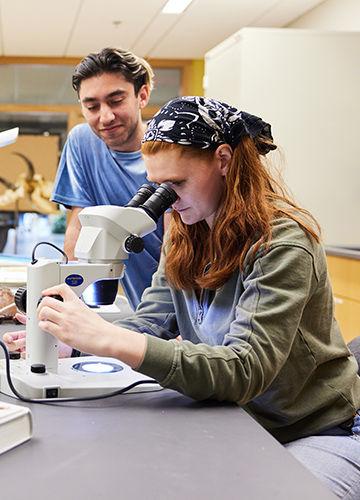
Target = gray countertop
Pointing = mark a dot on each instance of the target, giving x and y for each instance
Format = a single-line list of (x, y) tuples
[(153, 446)]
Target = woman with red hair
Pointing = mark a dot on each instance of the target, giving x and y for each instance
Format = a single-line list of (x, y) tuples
[(241, 307)]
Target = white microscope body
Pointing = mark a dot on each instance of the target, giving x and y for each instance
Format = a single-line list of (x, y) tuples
[(101, 253), (108, 234)]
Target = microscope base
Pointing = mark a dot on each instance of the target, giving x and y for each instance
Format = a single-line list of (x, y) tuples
[(73, 379)]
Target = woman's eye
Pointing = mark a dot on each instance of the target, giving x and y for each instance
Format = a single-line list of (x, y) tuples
[(175, 183)]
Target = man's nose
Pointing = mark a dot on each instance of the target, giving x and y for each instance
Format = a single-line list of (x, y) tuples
[(106, 114)]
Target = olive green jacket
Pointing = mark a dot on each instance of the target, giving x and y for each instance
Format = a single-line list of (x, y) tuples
[(266, 340)]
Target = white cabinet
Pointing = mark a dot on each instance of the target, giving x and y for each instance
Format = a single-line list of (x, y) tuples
[(307, 85)]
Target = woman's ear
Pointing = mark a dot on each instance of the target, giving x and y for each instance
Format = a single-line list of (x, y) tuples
[(223, 155)]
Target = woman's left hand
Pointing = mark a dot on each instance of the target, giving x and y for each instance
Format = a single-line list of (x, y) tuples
[(72, 322)]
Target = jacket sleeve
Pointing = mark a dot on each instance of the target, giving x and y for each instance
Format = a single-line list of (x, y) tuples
[(155, 315), (259, 340)]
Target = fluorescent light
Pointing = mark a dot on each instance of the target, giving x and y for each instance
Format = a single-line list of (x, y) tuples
[(175, 6)]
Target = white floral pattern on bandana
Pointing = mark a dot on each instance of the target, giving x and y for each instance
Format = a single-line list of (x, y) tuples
[(203, 123)]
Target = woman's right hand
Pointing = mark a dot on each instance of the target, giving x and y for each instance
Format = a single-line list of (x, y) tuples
[(16, 341)]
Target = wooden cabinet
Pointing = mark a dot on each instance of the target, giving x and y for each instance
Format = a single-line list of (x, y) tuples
[(345, 278)]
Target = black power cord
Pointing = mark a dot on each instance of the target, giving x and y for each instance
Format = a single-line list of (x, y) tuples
[(65, 400), (34, 261)]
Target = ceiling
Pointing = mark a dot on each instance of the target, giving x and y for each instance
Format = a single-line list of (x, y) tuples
[(72, 28)]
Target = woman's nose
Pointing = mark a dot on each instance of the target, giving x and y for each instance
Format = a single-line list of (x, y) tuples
[(176, 204)]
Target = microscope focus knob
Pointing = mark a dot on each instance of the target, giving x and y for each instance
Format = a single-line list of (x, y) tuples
[(38, 368), (134, 244), (57, 297), (20, 299)]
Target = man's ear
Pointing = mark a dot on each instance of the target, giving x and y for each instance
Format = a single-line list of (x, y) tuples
[(144, 96), (223, 155)]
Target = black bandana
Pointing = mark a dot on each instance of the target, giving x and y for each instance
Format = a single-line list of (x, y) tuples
[(203, 123)]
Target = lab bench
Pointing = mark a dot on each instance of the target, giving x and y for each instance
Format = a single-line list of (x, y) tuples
[(153, 446)]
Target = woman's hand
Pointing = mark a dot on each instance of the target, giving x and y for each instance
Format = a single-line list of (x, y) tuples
[(72, 322), (75, 325), (16, 341)]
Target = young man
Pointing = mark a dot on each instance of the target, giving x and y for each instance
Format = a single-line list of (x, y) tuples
[(101, 162)]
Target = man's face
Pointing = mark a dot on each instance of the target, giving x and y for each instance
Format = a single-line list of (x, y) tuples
[(112, 110), (199, 183)]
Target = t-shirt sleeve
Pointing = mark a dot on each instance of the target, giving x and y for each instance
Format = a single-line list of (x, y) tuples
[(71, 187)]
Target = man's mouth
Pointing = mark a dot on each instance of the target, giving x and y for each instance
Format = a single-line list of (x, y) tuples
[(110, 129)]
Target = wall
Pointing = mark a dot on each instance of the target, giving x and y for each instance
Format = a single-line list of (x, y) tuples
[(305, 83), (332, 15), (42, 91)]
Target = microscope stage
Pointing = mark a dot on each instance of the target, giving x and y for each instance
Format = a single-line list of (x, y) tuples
[(76, 377)]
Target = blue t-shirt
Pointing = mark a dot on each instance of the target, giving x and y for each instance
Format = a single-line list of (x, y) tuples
[(91, 174)]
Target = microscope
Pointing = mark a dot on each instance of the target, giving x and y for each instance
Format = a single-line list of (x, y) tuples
[(108, 235)]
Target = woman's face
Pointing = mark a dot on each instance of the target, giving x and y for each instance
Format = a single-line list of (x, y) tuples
[(198, 182)]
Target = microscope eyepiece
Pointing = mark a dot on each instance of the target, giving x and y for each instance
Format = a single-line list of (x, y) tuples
[(143, 193), (159, 201)]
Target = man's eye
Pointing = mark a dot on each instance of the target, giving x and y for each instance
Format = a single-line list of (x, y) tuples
[(91, 108), (116, 102)]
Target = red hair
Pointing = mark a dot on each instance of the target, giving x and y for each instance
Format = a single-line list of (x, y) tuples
[(252, 199)]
